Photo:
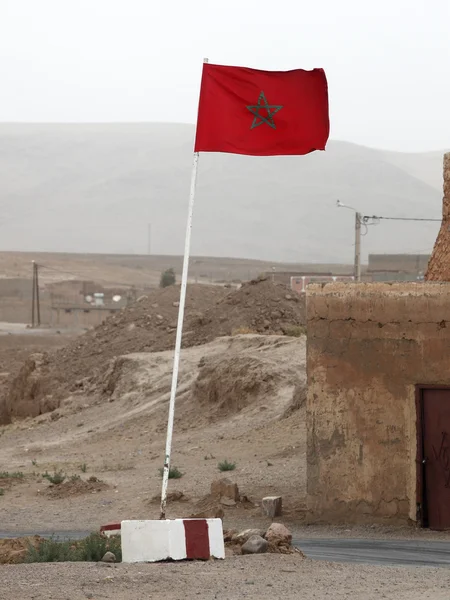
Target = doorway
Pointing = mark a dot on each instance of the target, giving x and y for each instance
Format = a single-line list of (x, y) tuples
[(433, 456)]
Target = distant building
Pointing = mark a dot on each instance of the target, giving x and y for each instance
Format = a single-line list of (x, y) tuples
[(397, 267)]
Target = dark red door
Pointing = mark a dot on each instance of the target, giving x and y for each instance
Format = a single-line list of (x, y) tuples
[(436, 453)]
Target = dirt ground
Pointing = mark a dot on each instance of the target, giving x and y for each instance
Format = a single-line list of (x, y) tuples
[(120, 436), (17, 343), (135, 269), (266, 577), (240, 398)]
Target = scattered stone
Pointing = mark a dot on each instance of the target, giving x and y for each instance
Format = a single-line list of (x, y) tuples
[(176, 304), (228, 534), (255, 545), (224, 488), (272, 506), (278, 535), (246, 534), (109, 558)]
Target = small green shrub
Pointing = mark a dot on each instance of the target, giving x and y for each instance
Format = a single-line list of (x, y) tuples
[(167, 278), (90, 549), (57, 478), (294, 330), (2, 492), (226, 466), (83, 468), (14, 475), (174, 473), (75, 478)]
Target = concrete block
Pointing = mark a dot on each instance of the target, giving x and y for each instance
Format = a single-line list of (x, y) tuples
[(177, 539), (272, 506)]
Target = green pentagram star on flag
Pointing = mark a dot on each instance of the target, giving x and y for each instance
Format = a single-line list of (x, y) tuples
[(263, 105), (235, 101)]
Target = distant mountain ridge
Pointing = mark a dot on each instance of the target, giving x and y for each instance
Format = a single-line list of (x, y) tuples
[(96, 187)]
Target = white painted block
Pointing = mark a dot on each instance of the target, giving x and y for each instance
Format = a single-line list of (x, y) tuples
[(145, 541), (216, 543), (152, 541), (177, 539)]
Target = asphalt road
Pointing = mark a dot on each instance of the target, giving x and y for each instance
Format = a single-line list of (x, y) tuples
[(378, 552), (355, 550)]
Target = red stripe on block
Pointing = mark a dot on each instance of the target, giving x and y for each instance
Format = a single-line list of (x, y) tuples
[(197, 539), (110, 527)]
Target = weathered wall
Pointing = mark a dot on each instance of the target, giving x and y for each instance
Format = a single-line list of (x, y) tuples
[(439, 264), (368, 346)]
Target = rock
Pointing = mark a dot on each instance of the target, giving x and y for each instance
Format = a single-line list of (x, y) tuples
[(278, 534), (228, 534), (227, 502), (176, 304), (243, 536), (224, 488), (109, 558), (272, 506), (255, 545)]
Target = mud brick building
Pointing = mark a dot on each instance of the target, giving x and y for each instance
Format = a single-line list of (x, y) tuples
[(378, 405), (378, 363)]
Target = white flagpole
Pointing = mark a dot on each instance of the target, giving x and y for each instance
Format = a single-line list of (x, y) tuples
[(176, 360)]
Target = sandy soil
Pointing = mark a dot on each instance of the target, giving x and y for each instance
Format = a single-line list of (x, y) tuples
[(121, 437), (118, 432), (266, 577)]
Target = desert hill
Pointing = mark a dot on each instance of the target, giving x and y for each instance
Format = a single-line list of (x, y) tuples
[(95, 188)]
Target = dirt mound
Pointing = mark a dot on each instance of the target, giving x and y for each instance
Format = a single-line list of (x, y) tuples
[(75, 487), (149, 325), (259, 306), (13, 551), (29, 393), (227, 384)]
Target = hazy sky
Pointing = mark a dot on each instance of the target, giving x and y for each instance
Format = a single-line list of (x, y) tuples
[(387, 62)]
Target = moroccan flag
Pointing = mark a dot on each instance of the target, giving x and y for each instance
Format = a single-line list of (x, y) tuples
[(262, 113)]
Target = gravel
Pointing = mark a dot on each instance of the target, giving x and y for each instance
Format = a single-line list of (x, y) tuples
[(262, 577)]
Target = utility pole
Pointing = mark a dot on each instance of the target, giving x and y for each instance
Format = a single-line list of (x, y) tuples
[(370, 220), (38, 300), (35, 301), (358, 247)]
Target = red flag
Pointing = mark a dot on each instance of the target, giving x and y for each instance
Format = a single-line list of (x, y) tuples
[(262, 113)]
